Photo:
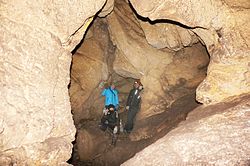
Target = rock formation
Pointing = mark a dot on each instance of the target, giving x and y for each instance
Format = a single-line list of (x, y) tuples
[(89, 68), (163, 52), (164, 43), (36, 125), (166, 75), (136, 58), (214, 135), (218, 25)]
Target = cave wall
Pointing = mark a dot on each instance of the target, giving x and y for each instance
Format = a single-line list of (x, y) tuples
[(218, 25), (169, 69), (36, 125), (134, 57), (36, 40), (214, 135), (92, 64), (137, 58)]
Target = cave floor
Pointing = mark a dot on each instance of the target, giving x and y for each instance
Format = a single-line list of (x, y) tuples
[(160, 125)]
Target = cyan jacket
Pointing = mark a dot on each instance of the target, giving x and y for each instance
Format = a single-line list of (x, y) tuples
[(111, 96)]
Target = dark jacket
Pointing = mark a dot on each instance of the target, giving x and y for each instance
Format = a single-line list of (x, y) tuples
[(134, 99), (110, 119)]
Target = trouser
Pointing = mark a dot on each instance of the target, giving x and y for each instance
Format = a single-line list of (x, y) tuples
[(130, 119)]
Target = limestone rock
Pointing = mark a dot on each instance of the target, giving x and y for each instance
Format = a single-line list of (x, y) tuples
[(107, 9), (162, 35), (189, 13), (213, 135), (123, 66), (68, 20), (166, 76), (176, 80), (128, 37), (89, 68), (137, 59), (188, 67), (34, 101), (239, 3), (228, 72), (49, 150), (134, 56), (36, 124), (90, 143), (218, 24)]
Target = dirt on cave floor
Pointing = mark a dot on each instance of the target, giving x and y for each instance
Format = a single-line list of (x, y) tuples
[(110, 155)]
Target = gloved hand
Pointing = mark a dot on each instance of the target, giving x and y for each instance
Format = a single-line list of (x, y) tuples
[(127, 107), (115, 130), (105, 111)]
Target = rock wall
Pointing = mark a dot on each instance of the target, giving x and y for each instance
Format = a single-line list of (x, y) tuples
[(107, 9), (214, 135), (167, 34), (92, 63), (136, 58), (219, 24), (36, 126), (166, 73)]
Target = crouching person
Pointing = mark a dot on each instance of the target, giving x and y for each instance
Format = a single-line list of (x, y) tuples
[(110, 121)]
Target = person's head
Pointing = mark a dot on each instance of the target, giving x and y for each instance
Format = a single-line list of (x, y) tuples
[(111, 107), (112, 85), (138, 84)]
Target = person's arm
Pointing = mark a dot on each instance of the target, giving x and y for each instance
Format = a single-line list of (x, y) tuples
[(139, 101), (130, 96), (116, 99), (104, 92)]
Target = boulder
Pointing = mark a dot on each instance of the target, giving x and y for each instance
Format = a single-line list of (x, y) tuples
[(214, 135), (36, 124)]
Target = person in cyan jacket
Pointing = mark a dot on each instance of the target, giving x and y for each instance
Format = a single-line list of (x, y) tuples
[(133, 105), (111, 96)]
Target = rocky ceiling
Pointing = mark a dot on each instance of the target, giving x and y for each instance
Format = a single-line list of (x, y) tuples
[(37, 37)]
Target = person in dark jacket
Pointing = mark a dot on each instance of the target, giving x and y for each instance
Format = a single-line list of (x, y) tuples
[(133, 105), (110, 119)]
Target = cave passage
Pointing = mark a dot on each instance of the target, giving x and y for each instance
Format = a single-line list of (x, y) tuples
[(192, 59), (169, 91)]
